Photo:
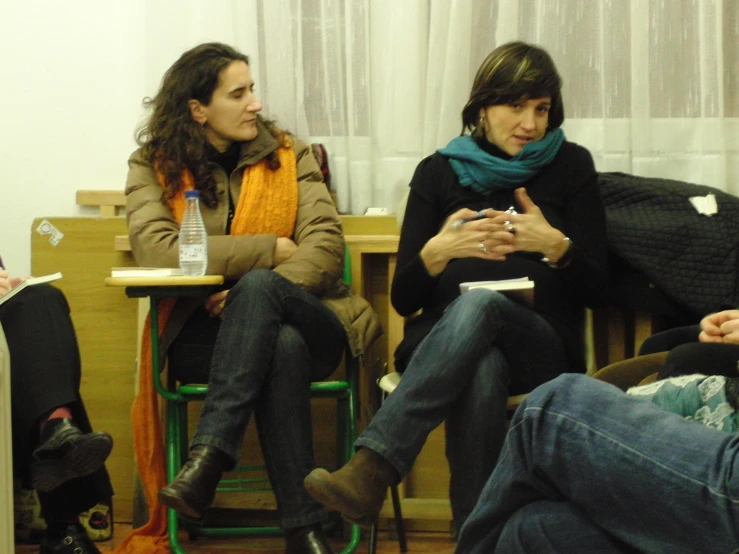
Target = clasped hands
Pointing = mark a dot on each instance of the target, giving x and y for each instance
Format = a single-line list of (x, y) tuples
[(721, 327), (499, 233), (216, 302)]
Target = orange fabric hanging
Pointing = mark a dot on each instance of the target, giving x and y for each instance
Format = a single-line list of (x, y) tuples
[(268, 204)]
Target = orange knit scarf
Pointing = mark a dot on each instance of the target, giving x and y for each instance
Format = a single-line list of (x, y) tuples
[(268, 204)]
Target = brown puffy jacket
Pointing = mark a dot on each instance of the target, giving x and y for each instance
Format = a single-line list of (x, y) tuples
[(316, 266)]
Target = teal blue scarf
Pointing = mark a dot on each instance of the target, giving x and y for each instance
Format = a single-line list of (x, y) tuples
[(486, 173)]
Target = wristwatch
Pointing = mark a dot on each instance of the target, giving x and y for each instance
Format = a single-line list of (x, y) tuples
[(564, 260)]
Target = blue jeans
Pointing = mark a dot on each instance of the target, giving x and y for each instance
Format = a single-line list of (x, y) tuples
[(587, 468), (461, 372), (274, 340)]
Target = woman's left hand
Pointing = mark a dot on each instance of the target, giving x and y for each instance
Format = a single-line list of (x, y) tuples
[(532, 230), (216, 303)]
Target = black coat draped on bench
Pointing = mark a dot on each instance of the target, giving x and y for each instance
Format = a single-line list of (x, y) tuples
[(667, 258)]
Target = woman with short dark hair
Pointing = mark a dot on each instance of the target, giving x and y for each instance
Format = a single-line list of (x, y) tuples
[(465, 354)]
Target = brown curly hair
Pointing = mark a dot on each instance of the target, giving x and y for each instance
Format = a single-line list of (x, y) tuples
[(514, 71), (170, 139)]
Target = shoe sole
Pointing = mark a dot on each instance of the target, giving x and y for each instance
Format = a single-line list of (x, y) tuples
[(335, 501), (175, 502), (84, 456)]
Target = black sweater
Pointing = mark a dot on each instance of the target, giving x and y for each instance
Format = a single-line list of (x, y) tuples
[(568, 196)]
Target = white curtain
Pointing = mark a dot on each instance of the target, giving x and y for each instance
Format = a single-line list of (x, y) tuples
[(651, 86)]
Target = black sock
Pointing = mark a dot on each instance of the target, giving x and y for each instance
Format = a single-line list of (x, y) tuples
[(56, 529)]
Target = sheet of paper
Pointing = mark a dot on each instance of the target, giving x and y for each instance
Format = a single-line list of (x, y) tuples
[(705, 205)]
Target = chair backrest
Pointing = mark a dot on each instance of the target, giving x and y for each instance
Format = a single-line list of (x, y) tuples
[(346, 274)]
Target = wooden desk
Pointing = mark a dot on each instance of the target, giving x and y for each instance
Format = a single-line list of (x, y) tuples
[(157, 289)]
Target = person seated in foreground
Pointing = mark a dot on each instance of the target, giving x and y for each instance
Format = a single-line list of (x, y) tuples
[(586, 468), (711, 348), (54, 447)]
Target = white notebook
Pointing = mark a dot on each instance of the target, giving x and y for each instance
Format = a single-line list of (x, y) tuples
[(520, 289), (28, 283)]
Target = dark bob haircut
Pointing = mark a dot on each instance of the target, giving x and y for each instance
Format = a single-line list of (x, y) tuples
[(512, 72)]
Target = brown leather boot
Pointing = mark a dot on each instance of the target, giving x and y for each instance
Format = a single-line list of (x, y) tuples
[(194, 488), (357, 490)]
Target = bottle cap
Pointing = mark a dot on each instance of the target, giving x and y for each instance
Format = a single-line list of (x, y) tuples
[(192, 194)]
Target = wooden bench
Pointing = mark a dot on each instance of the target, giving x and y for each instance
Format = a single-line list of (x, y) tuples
[(614, 334), (109, 202)]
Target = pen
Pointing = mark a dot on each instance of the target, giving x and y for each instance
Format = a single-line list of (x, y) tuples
[(459, 222)]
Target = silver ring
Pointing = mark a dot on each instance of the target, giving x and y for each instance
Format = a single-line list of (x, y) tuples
[(510, 227), (482, 248)]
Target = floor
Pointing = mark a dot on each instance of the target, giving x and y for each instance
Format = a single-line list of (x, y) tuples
[(438, 543)]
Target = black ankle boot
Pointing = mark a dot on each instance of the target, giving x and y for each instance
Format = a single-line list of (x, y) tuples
[(194, 488), (306, 540), (74, 540)]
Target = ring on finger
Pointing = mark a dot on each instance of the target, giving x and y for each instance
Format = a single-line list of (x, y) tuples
[(482, 248), (510, 227)]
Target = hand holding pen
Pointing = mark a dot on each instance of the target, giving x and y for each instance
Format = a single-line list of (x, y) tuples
[(480, 234), (457, 223), (468, 234)]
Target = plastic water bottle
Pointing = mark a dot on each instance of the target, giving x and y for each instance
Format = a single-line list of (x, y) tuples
[(193, 237)]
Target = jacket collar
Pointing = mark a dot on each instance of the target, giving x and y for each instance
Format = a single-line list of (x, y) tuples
[(257, 149)]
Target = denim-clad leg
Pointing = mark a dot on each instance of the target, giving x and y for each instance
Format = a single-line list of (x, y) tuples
[(282, 414), (257, 307), (479, 411), (651, 479), (446, 364), (552, 527)]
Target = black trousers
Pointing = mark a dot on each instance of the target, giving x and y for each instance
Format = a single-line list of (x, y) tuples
[(688, 356), (45, 374)]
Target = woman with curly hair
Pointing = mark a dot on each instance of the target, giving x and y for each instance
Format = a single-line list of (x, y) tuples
[(284, 316)]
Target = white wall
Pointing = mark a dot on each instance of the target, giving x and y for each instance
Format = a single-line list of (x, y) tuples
[(71, 84), (72, 78)]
